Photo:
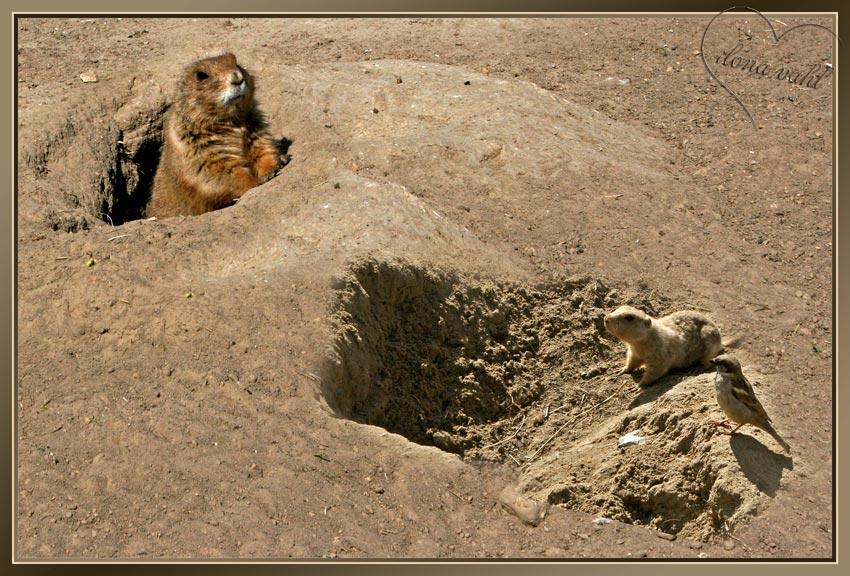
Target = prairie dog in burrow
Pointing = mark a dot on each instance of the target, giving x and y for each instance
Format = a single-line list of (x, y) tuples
[(216, 145), (678, 340)]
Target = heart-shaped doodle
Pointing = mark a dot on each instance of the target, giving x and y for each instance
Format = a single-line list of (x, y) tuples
[(776, 37)]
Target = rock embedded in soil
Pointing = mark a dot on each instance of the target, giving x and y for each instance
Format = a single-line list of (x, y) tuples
[(530, 511)]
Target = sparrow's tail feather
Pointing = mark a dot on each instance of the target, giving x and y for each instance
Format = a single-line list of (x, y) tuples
[(769, 429)]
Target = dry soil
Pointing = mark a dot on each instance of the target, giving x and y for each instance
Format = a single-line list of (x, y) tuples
[(395, 347)]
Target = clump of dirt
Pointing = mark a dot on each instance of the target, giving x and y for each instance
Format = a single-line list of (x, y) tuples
[(525, 376)]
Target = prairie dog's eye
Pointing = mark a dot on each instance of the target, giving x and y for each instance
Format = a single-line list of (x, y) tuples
[(201, 75)]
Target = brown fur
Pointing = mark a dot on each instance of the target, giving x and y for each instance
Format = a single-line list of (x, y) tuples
[(216, 143), (677, 340)]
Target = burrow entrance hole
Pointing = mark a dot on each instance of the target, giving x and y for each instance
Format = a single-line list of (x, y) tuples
[(449, 363), (492, 371), (135, 169), (92, 168)]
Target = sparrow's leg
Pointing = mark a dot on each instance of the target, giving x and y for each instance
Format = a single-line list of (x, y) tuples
[(736, 429), (722, 427)]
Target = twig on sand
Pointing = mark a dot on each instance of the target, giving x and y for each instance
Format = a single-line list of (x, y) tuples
[(456, 495), (796, 328), (552, 437), (758, 306), (573, 420), (521, 424), (117, 237), (513, 403), (728, 532)]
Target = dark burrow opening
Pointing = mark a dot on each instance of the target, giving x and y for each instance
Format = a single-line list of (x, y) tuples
[(135, 169), (446, 361)]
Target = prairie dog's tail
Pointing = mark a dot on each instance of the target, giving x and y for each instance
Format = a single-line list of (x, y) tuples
[(731, 342)]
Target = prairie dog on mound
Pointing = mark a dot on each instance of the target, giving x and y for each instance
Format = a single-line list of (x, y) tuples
[(677, 340)]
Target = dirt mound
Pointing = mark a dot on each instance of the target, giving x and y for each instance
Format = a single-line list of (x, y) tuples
[(524, 376), (681, 479)]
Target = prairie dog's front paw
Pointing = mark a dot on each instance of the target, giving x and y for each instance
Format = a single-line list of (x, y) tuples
[(268, 176)]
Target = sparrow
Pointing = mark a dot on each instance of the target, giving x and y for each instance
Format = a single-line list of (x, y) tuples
[(738, 401)]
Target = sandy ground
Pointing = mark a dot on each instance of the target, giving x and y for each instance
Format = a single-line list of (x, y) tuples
[(395, 349)]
